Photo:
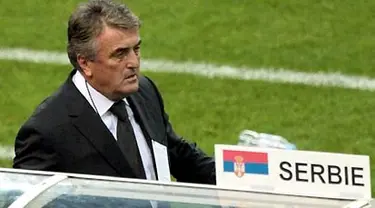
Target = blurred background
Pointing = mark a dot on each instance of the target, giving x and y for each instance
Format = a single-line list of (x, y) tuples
[(335, 39)]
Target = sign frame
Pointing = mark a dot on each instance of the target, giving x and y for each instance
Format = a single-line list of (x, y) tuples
[(264, 174)]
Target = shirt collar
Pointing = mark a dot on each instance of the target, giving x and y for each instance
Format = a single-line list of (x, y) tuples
[(102, 103)]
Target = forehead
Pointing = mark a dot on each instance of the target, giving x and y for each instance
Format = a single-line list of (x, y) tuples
[(111, 38)]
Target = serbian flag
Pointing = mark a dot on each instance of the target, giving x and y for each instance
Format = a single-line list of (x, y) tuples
[(245, 162)]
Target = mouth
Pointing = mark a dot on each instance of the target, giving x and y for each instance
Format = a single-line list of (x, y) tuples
[(131, 77)]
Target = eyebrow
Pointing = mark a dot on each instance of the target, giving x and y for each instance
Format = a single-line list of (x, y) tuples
[(125, 48), (139, 42)]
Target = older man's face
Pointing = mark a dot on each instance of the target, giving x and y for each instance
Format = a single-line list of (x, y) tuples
[(115, 70)]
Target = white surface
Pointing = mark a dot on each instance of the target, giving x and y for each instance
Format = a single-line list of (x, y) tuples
[(162, 162)]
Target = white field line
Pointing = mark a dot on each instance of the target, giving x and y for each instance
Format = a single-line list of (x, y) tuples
[(202, 69), (211, 71)]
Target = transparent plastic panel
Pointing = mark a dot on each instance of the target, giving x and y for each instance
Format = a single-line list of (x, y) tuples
[(93, 191), (74, 192), (13, 185), (82, 193)]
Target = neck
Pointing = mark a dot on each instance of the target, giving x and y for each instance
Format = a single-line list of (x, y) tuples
[(111, 96)]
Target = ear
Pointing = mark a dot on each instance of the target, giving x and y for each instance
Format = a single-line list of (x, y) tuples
[(85, 65)]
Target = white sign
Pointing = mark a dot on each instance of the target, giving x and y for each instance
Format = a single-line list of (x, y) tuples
[(293, 172), (161, 159)]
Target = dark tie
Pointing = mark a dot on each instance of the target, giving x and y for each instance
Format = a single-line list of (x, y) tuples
[(126, 138)]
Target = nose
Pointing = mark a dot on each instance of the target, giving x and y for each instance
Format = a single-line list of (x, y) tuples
[(132, 60)]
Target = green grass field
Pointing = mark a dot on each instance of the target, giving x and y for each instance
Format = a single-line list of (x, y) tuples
[(302, 35)]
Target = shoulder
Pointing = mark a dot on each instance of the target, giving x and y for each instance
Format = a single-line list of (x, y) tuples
[(149, 92), (51, 111), (146, 83), (148, 87)]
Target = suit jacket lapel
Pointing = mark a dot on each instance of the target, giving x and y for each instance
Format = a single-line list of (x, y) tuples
[(89, 123), (138, 106)]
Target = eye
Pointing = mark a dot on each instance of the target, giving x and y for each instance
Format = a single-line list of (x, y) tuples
[(122, 53), (137, 49)]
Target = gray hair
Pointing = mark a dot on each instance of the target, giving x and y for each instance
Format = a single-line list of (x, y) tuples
[(87, 22)]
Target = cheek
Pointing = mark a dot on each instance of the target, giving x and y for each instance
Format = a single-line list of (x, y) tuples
[(115, 68), (118, 73), (108, 74)]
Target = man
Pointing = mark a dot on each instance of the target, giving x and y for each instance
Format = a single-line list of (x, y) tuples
[(108, 119)]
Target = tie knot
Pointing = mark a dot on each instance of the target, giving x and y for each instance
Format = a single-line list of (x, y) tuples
[(119, 109)]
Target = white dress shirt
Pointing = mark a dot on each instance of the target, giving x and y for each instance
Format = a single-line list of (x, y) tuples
[(103, 104)]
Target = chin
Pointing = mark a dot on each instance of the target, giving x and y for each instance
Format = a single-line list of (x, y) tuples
[(131, 89)]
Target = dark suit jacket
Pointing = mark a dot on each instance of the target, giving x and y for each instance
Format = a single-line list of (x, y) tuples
[(65, 134)]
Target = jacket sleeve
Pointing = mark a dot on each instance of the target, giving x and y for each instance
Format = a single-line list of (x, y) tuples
[(188, 163), (32, 150)]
